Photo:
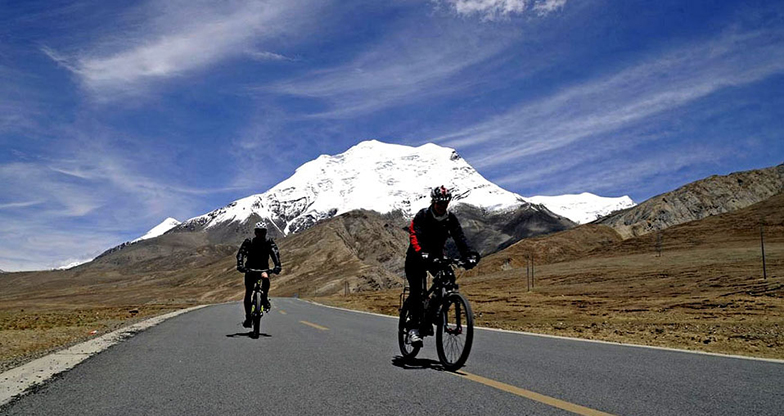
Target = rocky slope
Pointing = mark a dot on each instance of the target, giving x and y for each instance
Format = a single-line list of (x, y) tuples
[(697, 200)]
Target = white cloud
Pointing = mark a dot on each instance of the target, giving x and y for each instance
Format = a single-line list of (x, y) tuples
[(19, 104), (599, 107), (398, 69), (40, 245), (543, 7), (613, 165), (495, 9), (20, 204), (186, 36), (268, 56), (90, 197), (60, 198)]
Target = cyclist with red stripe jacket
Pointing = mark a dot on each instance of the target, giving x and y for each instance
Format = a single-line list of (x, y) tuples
[(428, 233)]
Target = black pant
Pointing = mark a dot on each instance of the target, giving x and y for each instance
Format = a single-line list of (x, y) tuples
[(250, 281), (416, 273)]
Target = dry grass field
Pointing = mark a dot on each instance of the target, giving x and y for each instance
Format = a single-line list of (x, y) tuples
[(29, 334), (45, 311), (694, 299)]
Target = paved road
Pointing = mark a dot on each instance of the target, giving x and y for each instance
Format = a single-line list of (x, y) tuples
[(318, 360)]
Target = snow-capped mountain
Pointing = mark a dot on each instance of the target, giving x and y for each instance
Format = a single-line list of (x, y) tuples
[(159, 229), (582, 208), (386, 177), (156, 231), (72, 264), (371, 175)]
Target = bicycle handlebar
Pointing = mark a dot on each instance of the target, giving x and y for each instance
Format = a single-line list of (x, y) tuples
[(268, 271), (450, 261)]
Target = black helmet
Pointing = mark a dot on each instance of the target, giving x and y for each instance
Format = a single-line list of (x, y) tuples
[(261, 225), (440, 194)]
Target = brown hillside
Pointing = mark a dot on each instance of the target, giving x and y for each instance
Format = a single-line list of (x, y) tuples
[(553, 248), (741, 227)]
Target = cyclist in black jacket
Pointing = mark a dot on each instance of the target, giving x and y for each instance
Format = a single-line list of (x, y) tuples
[(428, 233), (257, 252)]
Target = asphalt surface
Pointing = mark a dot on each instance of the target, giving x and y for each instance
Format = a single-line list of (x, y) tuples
[(316, 360)]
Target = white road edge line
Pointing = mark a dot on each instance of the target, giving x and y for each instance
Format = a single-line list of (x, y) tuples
[(596, 341), (17, 381)]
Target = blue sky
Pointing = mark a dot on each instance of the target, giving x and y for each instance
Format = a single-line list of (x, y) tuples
[(116, 115)]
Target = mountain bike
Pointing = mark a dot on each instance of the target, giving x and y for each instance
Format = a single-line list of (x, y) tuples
[(257, 308), (449, 310)]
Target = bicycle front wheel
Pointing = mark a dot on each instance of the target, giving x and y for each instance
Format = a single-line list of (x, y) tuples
[(455, 332), (256, 314)]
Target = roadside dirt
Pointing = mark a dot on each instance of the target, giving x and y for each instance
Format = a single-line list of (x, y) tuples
[(29, 334)]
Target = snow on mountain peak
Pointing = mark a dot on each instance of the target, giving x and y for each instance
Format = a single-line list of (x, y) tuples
[(371, 175), (582, 208), (159, 229)]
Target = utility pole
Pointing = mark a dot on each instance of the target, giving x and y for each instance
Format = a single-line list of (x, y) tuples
[(658, 243), (527, 274), (533, 278), (762, 244)]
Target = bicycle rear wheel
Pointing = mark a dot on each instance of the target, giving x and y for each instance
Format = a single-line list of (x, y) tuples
[(455, 332), (256, 314), (407, 350)]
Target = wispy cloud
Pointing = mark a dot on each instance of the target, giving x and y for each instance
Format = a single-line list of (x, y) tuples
[(20, 204), (61, 198), (187, 36), (495, 9), (84, 204), (19, 104), (39, 245), (608, 171), (268, 56), (600, 107), (397, 70)]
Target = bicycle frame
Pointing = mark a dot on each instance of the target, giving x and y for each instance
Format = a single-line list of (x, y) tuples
[(447, 309), (443, 285), (257, 287)]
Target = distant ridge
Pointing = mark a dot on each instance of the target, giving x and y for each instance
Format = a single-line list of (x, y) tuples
[(710, 196), (156, 231)]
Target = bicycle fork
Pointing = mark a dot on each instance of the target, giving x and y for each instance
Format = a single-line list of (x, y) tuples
[(458, 329)]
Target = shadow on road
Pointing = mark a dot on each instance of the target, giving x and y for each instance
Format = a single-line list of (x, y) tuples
[(248, 335), (416, 363)]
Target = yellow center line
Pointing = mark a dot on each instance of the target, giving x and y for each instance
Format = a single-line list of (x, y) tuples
[(570, 407), (314, 325), (282, 311)]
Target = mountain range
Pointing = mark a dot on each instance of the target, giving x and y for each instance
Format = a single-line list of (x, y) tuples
[(364, 249), (386, 178), (340, 220)]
